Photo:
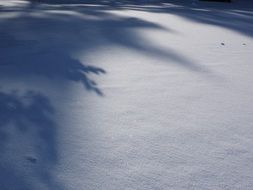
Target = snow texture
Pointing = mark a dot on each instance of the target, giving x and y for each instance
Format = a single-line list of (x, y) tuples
[(126, 95)]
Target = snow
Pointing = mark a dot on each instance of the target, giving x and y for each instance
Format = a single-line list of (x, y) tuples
[(126, 96)]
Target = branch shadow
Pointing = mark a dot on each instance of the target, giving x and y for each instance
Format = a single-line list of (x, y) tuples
[(110, 28)]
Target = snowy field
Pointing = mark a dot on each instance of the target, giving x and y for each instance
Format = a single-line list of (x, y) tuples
[(124, 96)]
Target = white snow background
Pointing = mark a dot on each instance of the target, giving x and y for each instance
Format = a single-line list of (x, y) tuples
[(120, 96)]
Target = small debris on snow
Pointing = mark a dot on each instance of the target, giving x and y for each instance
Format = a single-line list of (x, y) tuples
[(31, 159), (222, 44), (244, 44)]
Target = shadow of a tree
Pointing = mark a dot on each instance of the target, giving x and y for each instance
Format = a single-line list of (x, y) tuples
[(41, 46), (53, 65), (41, 43), (26, 118), (236, 16), (66, 20)]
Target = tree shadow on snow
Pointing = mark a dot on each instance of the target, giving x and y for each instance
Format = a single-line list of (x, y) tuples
[(39, 42), (235, 16), (27, 138), (95, 26)]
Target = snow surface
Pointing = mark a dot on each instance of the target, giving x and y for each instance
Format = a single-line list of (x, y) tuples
[(126, 96)]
